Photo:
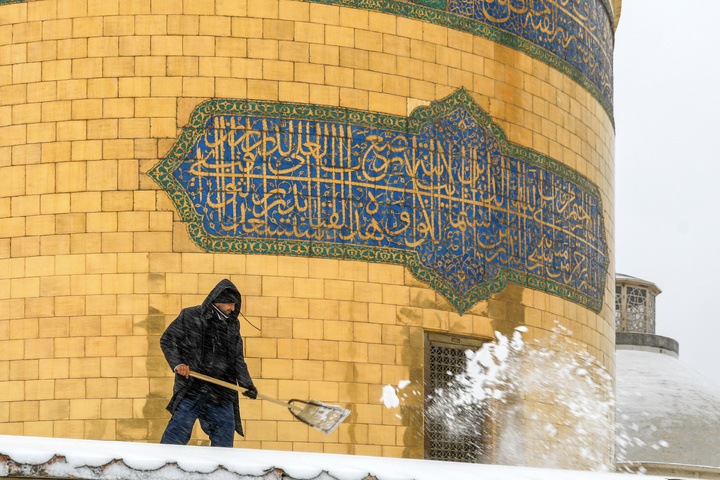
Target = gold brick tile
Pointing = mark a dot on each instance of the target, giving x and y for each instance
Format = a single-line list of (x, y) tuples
[(293, 92), (308, 287), (326, 14), (353, 352), (133, 387), (112, 67), (198, 87), (384, 354), (24, 370), (103, 46), (309, 73), (134, 46), (307, 328), (40, 133), (351, 98), (277, 368), (27, 113), (277, 70), (368, 414), (127, 221), (338, 371), (85, 201), (165, 262), (292, 432), (244, 27), (367, 292), (54, 410), (27, 411), (116, 367), (337, 330), (36, 307), (293, 307), (100, 429), (339, 289), (166, 86), (265, 9), (84, 367), (68, 429), (14, 391), (310, 370), (24, 287), (38, 429), (215, 66), (381, 313), (85, 243), (323, 350), (67, 306), (132, 345), (367, 332), (102, 8), (152, 241), (102, 221), (118, 25), (12, 135), (101, 305), (71, 388), (81, 409), (24, 206), (215, 26), (308, 32), (155, 107), (353, 311), (99, 347), (53, 326), (263, 48), (117, 242)]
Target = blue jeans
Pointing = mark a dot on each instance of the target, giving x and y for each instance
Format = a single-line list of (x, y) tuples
[(217, 421)]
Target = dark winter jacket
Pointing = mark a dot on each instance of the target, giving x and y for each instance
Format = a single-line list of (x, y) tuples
[(190, 339)]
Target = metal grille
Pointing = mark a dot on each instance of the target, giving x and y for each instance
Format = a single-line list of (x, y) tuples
[(441, 442)]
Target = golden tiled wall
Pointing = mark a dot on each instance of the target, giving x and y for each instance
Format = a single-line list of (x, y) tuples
[(94, 262)]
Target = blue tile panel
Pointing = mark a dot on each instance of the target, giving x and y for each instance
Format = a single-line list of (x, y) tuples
[(578, 31), (442, 192)]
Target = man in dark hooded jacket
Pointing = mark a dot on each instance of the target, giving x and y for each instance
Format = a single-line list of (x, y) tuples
[(206, 339)]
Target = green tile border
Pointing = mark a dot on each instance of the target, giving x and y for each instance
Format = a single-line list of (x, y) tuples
[(162, 174)]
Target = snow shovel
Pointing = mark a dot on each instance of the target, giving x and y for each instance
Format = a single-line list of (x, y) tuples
[(322, 416)]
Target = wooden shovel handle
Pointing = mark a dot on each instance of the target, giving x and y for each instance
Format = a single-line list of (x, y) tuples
[(236, 387)]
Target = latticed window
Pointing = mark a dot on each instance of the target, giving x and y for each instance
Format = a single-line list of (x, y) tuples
[(445, 358), (635, 306)]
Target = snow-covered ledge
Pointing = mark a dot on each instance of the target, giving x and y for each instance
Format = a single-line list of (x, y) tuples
[(674, 470), (33, 457)]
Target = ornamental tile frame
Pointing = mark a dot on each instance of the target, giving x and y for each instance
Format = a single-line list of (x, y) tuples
[(575, 37), (442, 192)]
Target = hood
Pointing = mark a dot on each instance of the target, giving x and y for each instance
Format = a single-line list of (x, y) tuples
[(224, 284)]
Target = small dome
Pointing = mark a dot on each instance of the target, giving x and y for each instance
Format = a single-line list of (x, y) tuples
[(659, 400)]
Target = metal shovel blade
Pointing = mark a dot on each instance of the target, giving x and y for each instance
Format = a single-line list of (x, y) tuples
[(322, 416)]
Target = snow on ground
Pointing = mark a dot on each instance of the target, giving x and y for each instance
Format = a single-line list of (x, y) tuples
[(92, 459)]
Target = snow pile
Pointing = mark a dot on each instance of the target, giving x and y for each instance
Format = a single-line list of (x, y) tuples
[(554, 394)]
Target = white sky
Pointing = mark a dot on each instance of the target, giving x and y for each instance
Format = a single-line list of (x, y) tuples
[(667, 107)]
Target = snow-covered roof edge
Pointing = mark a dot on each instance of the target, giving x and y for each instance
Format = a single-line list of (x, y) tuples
[(34, 457)]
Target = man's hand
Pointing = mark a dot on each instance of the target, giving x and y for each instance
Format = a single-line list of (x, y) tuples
[(251, 392), (183, 370)]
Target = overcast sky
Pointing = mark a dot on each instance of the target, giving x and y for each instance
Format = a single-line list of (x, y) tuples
[(667, 198)]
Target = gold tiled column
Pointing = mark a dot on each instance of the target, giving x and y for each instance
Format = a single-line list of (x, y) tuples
[(95, 262)]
